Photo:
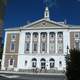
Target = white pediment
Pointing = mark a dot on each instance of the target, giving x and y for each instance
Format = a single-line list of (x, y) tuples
[(43, 23)]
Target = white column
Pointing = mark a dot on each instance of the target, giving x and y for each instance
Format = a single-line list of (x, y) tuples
[(31, 43), (39, 43), (56, 43), (4, 50), (48, 42), (21, 48), (22, 42)]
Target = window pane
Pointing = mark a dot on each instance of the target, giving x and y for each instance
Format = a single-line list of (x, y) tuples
[(35, 47), (13, 36), (33, 64), (27, 46), (25, 63), (12, 45), (43, 46), (60, 63), (11, 61)]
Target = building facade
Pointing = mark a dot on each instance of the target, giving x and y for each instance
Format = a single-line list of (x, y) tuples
[(41, 44)]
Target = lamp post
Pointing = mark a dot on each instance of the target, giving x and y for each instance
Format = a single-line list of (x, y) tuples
[(66, 58), (67, 49)]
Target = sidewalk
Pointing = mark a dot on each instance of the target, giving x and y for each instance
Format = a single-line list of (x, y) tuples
[(29, 73)]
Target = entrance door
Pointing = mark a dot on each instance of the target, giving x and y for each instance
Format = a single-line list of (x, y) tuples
[(43, 63)]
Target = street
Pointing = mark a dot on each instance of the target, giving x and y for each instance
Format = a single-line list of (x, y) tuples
[(31, 77)]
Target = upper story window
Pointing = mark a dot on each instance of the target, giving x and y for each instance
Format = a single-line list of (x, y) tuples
[(60, 34), (27, 46), (12, 46), (76, 35), (13, 36), (52, 34), (35, 47), (35, 34), (43, 46), (27, 35), (43, 34)]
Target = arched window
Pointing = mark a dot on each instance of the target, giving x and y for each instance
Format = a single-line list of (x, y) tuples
[(27, 35), (35, 34), (52, 34), (52, 63), (44, 34), (34, 62), (43, 63), (60, 34)]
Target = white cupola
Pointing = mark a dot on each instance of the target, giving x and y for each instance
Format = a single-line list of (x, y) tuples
[(46, 13)]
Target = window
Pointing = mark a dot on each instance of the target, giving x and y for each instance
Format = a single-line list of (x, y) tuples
[(60, 34), (25, 63), (27, 35), (35, 47), (76, 35), (52, 63), (34, 62), (35, 34), (27, 46), (52, 34), (60, 63), (43, 46), (60, 48), (43, 63), (13, 36), (43, 34), (77, 44), (52, 47), (11, 62), (12, 47)]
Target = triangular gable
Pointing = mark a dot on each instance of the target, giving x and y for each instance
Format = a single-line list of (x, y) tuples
[(43, 23)]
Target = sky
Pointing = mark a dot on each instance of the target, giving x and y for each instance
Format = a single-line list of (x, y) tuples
[(19, 12)]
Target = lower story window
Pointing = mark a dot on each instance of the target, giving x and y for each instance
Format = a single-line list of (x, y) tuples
[(11, 62), (51, 65), (25, 63), (60, 63), (33, 64)]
